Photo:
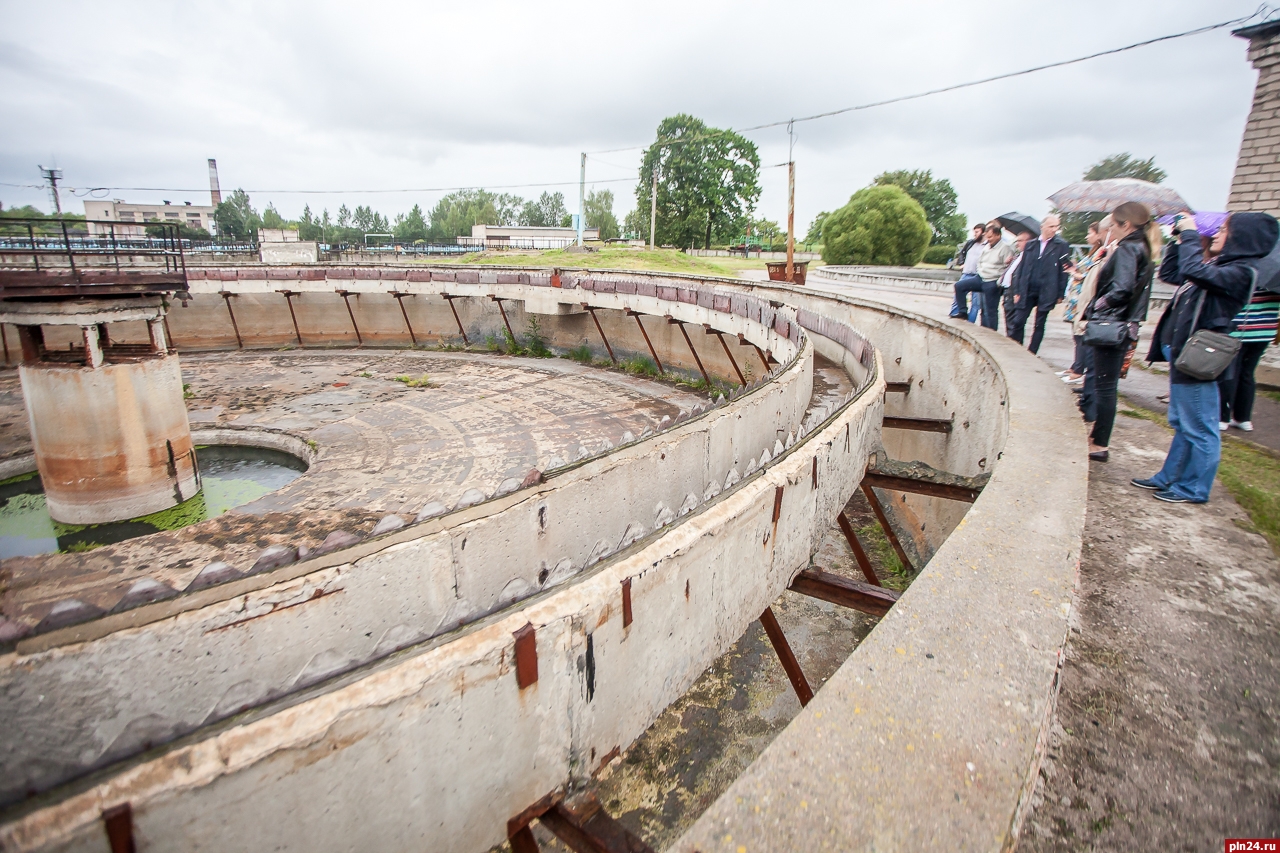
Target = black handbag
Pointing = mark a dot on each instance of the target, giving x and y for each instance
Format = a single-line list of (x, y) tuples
[(1109, 334), (1207, 354)]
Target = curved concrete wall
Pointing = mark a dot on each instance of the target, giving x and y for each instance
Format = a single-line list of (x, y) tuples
[(79, 697)]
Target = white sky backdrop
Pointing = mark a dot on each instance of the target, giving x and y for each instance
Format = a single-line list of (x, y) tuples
[(389, 96)]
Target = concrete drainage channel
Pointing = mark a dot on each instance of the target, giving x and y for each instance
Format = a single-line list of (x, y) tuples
[(481, 703)]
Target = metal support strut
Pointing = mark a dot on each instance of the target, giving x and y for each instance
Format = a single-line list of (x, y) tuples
[(227, 297), (345, 294), (288, 297), (449, 298), (503, 311), (652, 351), (729, 355), (884, 525), (860, 555), (698, 361), (592, 312), (400, 301), (789, 663)]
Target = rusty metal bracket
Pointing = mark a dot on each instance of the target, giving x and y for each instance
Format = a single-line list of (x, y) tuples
[(526, 656), (864, 562), (653, 352), (118, 823), (288, 298), (600, 329), (227, 297), (789, 663), (503, 312), (886, 527), (923, 424), (863, 597), (626, 602), (777, 504), (897, 387), (948, 491), (720, 336), (585, 827), (815, 472), (449, 298), (345, 294), (705, 378), (400, 301)]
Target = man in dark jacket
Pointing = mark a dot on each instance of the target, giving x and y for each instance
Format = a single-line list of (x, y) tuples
[(1209, 296), (1041, 281)]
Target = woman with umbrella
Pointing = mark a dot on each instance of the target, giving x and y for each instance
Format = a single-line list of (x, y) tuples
[(1120, 302)]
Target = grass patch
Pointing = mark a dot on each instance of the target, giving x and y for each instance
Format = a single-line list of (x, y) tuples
[(890, 569), (658, 260), (535, 344), (187, 393), (1252, 476), (639, 365), (422, 381), (716, 386), (581, 354), (1274, 396)]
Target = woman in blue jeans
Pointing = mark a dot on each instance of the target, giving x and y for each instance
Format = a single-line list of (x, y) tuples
[(1209, 297)]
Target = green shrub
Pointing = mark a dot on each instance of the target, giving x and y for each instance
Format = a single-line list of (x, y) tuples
[(879, 225), (536, 344), (581, 354), (939, 254)]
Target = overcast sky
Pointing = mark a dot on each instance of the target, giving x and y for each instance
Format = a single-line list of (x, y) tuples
[(387, 96)]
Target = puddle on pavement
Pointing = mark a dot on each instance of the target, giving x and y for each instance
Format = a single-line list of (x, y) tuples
[(230, 477)]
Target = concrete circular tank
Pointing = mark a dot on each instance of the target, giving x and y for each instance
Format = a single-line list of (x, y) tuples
[(108, 422)]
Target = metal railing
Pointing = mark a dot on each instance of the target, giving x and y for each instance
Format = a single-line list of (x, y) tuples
[(49, 244)]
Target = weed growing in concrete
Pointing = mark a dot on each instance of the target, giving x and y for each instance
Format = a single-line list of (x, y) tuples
[(581, 354), (364, 374), (892, 573), (535, 343), (716, 386), (187, 393), (422, 381), (510, 345), (639, 365), (491, 344)]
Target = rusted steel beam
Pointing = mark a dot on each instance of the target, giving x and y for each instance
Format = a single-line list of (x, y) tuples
[(600, 329), (345, 294), (522, 841), (966, 494), (653, 352), (449, 298), (687, 340), (860, 555), (526, 656), (585, 827), (5, 341), (288, 298), (863, 597), (777, 504), (626, 602), (503, 312), (227, 297), (897, 387), (400, 301), (729, 355), (924, 424), (788, 658), (118, 823), (886, 527)]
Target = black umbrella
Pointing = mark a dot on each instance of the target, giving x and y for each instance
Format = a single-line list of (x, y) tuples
[(1020, 223)]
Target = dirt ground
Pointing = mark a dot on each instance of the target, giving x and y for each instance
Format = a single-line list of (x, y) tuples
[(1167, 735)]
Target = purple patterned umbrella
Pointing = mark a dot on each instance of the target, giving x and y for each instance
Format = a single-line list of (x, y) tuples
[(1207, 223), (1105, 196)]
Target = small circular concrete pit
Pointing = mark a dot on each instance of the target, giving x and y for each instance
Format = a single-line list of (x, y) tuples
[(498, 571)]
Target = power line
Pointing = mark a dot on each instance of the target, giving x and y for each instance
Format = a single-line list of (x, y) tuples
[(1262, 11), (330, 192)]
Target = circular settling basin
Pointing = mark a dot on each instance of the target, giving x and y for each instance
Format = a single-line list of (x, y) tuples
[(230, 476)]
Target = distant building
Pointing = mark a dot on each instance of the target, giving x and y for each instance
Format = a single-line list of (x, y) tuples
[(1256, 184), (282, 246), (193, 215), (524, 237)]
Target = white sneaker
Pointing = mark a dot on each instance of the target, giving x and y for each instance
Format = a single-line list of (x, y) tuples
[(1062, 373), (1245, 426), (1222, 426)]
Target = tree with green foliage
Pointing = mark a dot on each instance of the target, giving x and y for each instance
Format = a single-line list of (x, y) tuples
[(936, 196), (155, 228), (547, 211), (814, 235), (1075, 226), (767, 232), (410, 227), (599, 212), (236, 219), (880, 225), (453, 215), (708, 182), (271, 217)]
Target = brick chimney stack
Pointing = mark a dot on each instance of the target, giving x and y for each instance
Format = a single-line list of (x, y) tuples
[(1256, 184), (214, 190)]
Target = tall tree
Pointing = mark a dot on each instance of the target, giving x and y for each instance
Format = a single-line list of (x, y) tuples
[(814, 234), (936, 196), (236, 219), (410, 227), (708, 182), (1075, 226), (454, 214), (271, 217), (547, 211), (599, 212), (880, 225)]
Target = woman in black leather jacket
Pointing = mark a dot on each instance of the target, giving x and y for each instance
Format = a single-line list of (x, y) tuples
[(1123, 291)]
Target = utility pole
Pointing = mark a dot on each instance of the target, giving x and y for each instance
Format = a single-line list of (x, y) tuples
[(653, 208), (582, 197), (53, 176), (791, 203)]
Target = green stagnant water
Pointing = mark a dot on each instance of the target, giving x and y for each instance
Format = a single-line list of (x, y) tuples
[(230, 477)]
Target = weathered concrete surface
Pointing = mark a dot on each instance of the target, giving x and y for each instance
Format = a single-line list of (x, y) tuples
[(1168, 733), (930, 734), (111, 442)]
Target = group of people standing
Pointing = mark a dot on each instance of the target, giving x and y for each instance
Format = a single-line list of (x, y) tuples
[(1107, 296)]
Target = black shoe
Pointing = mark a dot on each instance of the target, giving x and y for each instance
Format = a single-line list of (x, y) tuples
[(1151, 485), (1172, 497), (1098, 456)]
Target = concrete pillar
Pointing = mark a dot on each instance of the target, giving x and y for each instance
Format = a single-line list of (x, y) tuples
[(111, 436)]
